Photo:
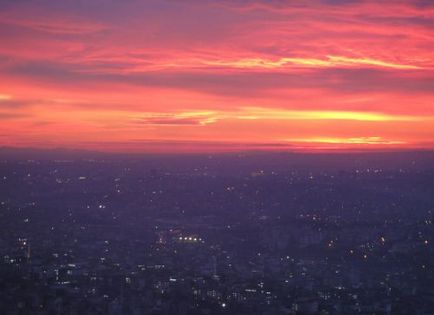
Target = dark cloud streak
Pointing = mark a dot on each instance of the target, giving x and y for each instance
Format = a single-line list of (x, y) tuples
[(242, 83)]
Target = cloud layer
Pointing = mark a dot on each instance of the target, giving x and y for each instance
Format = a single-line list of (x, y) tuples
[(121, 75)]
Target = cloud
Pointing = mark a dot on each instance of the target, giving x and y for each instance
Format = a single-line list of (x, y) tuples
[(240, 82), (288, 62), (285, 114), (47, 18), (14, 103), (181, 119), (170, 121), (56, 27), (9, 116), (204, 71), (270, 114), (348, 141)]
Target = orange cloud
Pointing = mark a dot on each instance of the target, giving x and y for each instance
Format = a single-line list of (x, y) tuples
[(185, 118), (286, 62), (355, 140), (281, 114), (253, 72)]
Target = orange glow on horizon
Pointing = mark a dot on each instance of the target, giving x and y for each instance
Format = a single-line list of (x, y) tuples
[(150, 76), (356, 140)]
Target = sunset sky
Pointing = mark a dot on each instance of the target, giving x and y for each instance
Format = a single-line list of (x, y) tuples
[(211, 76)]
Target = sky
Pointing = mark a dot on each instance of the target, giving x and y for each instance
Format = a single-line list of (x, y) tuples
[(217, 76)]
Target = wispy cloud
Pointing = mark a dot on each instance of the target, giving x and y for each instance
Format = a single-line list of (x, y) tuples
[(185, 118), (52, 24), (288, 62), (347, 141), (253, 113), (10, 116), (325, 72)]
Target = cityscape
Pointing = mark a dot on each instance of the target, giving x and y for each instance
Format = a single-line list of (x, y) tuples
[(217, 235)]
